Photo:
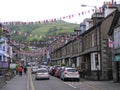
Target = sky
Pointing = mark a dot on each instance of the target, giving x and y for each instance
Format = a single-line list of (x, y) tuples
[(37, 10)]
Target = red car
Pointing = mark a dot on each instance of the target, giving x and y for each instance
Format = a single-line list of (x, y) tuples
[(57, 72)]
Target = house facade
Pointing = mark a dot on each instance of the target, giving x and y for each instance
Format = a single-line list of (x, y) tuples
[(114, 37), (6, 52)]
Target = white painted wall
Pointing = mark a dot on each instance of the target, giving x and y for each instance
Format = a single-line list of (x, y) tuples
[(93, 65)]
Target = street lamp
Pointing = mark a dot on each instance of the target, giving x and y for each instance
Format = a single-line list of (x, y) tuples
[(83, 5), (95, 22)]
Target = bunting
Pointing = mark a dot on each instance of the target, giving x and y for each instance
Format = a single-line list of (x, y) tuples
[(49, 20)]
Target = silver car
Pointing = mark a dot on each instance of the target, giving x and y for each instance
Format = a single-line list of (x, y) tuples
[(34, 69), (42, 73), (70, 73)]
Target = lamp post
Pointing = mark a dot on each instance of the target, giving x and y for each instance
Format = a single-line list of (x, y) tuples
[(83, 5), (95, 22)]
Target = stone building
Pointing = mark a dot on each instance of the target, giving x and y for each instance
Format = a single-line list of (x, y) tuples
[(114, 43), (90, 51)]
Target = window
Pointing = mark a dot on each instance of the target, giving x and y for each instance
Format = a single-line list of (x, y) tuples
[(96, 60), (117, 37), (93, 40)]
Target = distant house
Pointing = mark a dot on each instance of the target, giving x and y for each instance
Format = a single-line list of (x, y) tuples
[(5, 52), (5, 48)]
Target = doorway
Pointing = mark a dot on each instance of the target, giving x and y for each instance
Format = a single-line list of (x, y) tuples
[(118, 71)]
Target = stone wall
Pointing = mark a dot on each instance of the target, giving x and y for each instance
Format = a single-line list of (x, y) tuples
[(2, 81)]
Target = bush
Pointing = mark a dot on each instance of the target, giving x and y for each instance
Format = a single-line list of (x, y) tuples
[(63, 64)]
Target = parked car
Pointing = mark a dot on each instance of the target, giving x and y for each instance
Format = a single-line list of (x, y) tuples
[(42, 73), (62, 70), (57, 72), (71, 74), (50, 70), (43, 66), (54, 68)]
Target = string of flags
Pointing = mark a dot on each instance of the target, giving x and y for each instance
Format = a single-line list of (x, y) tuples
[(25, 34), (49, 20), (100, 9), (46, 51), (42, 22)]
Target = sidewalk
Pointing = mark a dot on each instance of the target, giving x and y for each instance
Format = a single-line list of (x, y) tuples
[(17, 83)]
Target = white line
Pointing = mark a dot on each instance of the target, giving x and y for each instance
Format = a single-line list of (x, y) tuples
[(70, 85), (30, 81)]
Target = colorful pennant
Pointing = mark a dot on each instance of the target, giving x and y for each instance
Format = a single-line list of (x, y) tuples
[(48, 20)]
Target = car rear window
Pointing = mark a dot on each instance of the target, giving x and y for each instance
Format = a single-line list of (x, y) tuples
[(42, 71), (72, 70)]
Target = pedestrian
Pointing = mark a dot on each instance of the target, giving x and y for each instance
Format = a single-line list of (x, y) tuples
[(25, 70), (20, 70)]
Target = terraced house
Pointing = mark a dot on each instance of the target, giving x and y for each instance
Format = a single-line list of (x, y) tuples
[(115, 46), (90, 50)]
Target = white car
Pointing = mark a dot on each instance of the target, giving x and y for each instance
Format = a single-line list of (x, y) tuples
[(70, 73), (34, 69), (42, 73)]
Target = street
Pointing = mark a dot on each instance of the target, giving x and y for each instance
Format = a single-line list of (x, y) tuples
[(57, 84), (21, 83)]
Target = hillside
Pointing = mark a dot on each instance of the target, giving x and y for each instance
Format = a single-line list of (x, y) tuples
[(37, 31)]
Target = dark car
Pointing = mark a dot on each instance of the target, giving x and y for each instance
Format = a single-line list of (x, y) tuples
[(54, 69)]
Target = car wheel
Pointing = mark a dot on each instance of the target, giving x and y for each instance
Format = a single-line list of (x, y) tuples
[(48, 79), (64, 79), (36, 79)]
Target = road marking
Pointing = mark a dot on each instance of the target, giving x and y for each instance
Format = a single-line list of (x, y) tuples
[(85, 85), (30, 80), (70, 85), (93, 87)]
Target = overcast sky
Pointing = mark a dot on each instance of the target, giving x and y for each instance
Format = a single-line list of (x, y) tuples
[(36, 10)]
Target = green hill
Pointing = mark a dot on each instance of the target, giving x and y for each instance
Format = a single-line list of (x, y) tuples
[(37, 31)]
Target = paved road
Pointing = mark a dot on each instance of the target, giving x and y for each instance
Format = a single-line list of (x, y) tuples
[(56, 84), (21, 83), (52, 84)]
